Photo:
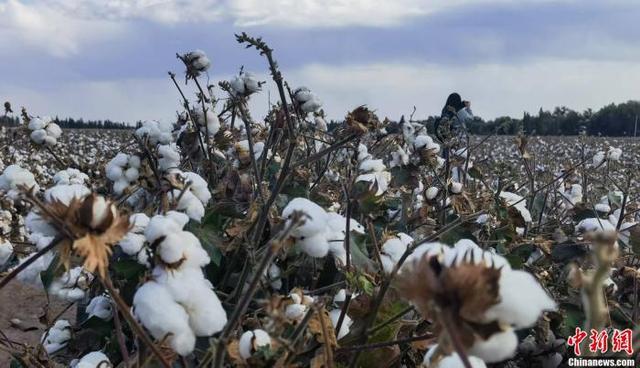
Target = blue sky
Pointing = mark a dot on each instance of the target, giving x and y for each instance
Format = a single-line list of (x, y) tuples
[(108, 59)]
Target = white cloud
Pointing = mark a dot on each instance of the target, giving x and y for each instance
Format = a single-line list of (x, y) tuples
[(493, 89), (43, 28)]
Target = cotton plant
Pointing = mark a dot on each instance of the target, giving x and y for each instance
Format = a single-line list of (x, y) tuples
[(307, 100), (373, 171), (207, 121), (490, 293), (197, 63), (123, 170), (44, 131), (178, 301)]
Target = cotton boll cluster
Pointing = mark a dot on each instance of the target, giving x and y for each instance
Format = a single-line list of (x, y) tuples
[(321, 232), (252, 341), (14, 177), (72, 285), (157, 132), (123, 170), (100, 307), (393, 249), (598, 158), (95, 359), (179, 301), (518, 202), (44, 131), (299, 306), (571, 196), (307, 100), (197, 62), (372, 171), (134, 242), (245, 84), (57, 337), (208, 121), (70, 176), (519, 301), (168, 156), (241, 154)]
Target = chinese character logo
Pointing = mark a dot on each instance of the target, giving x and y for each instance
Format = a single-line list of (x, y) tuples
[(621, 340)]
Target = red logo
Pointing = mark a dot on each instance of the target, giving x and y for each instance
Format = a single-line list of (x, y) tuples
[(621, 340)]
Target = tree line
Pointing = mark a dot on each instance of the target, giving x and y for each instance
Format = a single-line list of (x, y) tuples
[(71, 123)]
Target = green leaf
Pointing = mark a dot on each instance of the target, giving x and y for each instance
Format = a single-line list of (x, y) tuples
[(128, 269), (475, 173)]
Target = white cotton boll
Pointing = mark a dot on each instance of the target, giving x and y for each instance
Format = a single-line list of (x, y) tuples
[(95, 359), (320, 123), (518, 202), (114, 172), (340, 296), (6, 249), (426, 250), (72, 285), (101, 307), (38, 136), (37, 124), (121, 160), (422, 141), (178, 217), (50, 141), (31, 274), (315, 217), (57, 337), (598, 158), (53, 130), (450, 361), (37, 225), (378, 179), (456, 188), (594, 225), (139, 222), (302, 94), (206, 315), (163, 317), (312, 105), (346, 323), (131, 174), (431, 193), (251, 84), (274, 276), (237, 86), (134, 161), (315, 246), (169, 156), (120, 186), (160, 225), (296, 312), (390, 254), (66, 193), (603, 207), (372, 165), (132, 243), (498, 347), (251, 341), (522, 300), (190, 204), (199, 186), (614, 154), (170, 249)]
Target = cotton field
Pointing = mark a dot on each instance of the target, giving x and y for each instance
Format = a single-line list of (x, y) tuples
[(287, 240)]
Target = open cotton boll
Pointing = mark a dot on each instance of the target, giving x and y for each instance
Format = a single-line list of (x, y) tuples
[(498, 347), (392, 250), (315, 217), (456, 188), (14, 176), (57, 337), (315, 246), (72, 285), (31, 274), (199, 186), (518, 202), (100, 306), (346, 323), (251, 341), (274, 276), (66, 193), (154, 306), (603, 207), (450, 361), (320, 123), (38, 136), (598, 158), (37, 124), (432, 192), (377, 179), (169, 156), (189, 203), (614, 154), (53, 130), (50, 141), (208, 121), (70, 176), (372, 165), (162, 225), (522, 300), (6, 250), (595, 225), (95, 359)]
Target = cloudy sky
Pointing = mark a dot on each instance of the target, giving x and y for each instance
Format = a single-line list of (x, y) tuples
[(108, 59)]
